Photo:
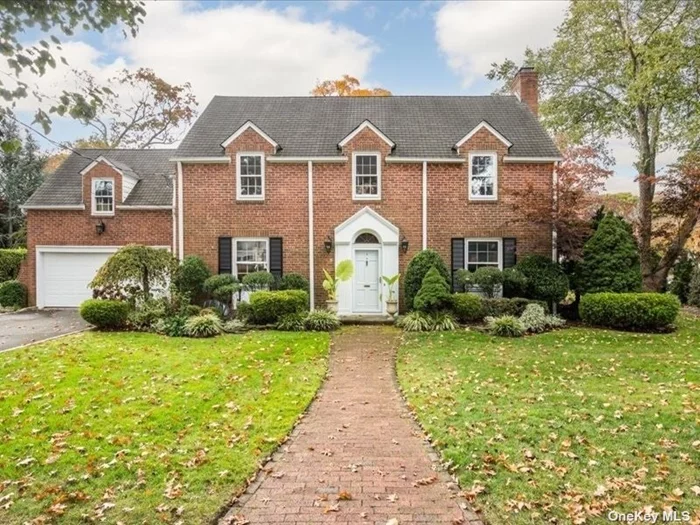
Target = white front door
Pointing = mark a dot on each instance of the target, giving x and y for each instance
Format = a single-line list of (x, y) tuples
[(366, 282)]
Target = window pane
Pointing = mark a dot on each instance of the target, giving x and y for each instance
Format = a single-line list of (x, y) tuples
[(482, 253), (103, 188), (482, 176), (252, 252), (366, 165), (251, 185), (251, 165), (366, 185)]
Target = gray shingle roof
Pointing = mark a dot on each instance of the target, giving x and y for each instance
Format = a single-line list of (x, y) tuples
[(421, 126), (151, 167)]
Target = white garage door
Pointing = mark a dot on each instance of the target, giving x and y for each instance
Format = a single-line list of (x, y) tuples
[(63, 277)]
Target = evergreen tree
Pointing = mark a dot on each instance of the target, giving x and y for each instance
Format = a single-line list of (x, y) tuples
[(434, 293), (682, 274), (611, 259), (20, 175), (694, 289)]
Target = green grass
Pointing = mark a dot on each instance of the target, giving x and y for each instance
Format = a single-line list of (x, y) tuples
[(563, 426), (140, 428)]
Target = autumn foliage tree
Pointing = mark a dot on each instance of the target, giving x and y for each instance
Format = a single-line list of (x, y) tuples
[(346, 86), (579, 177)]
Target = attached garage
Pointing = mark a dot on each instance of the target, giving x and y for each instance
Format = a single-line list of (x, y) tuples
[(64, 272)]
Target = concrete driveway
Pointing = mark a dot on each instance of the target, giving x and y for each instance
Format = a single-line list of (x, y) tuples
[(21, 328)]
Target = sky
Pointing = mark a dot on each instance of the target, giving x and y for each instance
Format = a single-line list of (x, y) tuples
[(283, 48)]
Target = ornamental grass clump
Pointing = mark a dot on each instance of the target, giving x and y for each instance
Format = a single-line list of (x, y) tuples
[(207, 325), (321, 321), (414, 321), (505, 326)]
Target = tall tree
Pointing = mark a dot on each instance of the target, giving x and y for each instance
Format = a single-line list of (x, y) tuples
[(346, 86), (625, 68), (580, 176), (20, 175), (54, 19), (153, 113)]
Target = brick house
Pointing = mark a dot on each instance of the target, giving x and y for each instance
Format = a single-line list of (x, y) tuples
[(295, 184)]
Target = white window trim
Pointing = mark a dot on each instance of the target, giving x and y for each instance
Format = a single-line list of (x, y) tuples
[(93, 208), (240, 154), (234, 249), (494, 155), (376, 197), (478, 239)]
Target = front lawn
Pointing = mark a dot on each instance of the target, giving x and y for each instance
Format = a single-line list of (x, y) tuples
[(139, 428), (563, 426)]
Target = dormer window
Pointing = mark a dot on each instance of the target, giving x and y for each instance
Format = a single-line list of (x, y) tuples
[(250, 176), (103, 196), (367, 176), (483, 177)]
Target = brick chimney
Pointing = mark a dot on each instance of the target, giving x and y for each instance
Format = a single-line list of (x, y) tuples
[(526, 88)]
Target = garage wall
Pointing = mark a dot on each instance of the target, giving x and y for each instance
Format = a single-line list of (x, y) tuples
[(77, 228)]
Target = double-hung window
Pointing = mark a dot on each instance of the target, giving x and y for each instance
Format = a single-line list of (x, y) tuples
[(483, 176), (366, 176), (250, 176), (103, 196), (251, 256), (481, 253)]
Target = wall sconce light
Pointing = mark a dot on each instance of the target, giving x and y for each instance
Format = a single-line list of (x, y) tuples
[(100, 227), (328, 244), (404, 244)]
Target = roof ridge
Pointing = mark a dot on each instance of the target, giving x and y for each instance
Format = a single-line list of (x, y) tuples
[(312, 97)]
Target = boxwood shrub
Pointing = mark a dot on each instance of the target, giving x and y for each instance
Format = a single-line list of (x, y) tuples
[(467, 307), (269, 307), (630, 311), (545, 279), (104, 313), (13, 294), (514, 306)]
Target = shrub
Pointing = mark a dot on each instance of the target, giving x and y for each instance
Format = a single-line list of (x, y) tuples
[(545, 279), (321, 321), (147, 314), (217, 307), (10, 262), (464, 279), (505, 326), (291, 323), (434, 293), (234, 326), (294, 281), (417, 268), (442, 322), (221, 287), (105, 314), (259, 281), (114, 293), (514, 306), (630, 311), (682, 275), (13, 294), (171, 326), (536, 320), (414, 322), (467, 307), (488, 280), (514, 283), (694, 288), (207, 325), (191, 309), (268, 307), (191, 275), (611, 259)]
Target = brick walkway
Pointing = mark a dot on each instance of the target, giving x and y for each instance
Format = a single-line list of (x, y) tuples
[(357, 457)]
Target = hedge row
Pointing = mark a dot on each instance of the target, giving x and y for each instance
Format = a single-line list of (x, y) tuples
[(471, 308), (10, 261), (630, 311)]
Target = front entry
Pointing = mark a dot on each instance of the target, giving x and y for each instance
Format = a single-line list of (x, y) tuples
[(367, 285)]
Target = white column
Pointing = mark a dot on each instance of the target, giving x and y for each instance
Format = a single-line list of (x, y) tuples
[(310, 185), (180, 215), (425, 205)]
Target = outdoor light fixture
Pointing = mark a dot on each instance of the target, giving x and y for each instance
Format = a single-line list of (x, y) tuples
[(404, 244), (328, 244), (100, 227)]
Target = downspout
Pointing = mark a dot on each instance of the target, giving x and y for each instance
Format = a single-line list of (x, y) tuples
[(425, 205), (555, 205), (310, 185), (180, 215), (174, 217)]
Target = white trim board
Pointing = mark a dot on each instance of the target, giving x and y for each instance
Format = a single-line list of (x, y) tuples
[(365, 125), (304, 160), (419, 160), (64, 207), (245, 127), (202, 160), (509, 159), (483, 125)]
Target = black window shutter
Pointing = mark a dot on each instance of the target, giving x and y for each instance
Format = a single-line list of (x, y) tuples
[(225, 255), (457, 259), (276, 256), (510, 254)]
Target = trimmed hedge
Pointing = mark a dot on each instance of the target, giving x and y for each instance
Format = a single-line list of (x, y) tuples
[(13, 294), (546, 280), (105, 314), (514, 306), (467, 307), (416, 270), (630, 311), (10, 262), (294, 281), (267, 307)]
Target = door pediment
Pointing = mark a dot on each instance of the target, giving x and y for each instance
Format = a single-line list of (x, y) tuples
[(364, 220)]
